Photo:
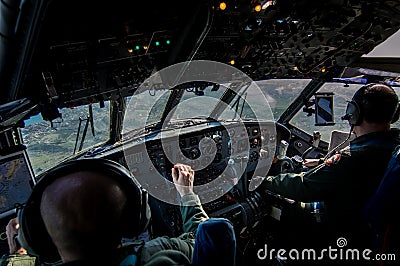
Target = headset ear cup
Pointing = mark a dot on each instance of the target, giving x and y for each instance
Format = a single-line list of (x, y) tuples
[(353, 113), (396, 115), (137, 212), (138, 219)]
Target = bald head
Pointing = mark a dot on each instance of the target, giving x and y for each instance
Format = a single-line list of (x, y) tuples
[(82, 213)]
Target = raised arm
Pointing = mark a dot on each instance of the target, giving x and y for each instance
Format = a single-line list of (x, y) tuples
[(191, 209)]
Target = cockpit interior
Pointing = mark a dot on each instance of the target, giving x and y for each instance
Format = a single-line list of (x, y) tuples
[(237, 89)]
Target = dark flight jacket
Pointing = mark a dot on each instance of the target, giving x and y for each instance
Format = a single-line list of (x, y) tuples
[(343, 182)]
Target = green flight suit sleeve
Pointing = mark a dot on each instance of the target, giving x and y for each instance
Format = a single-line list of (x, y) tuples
[(315, 185), (192, 215)]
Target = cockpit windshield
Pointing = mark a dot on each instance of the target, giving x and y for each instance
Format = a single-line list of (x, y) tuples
[(145, 108), (198, 102), (221, 102)]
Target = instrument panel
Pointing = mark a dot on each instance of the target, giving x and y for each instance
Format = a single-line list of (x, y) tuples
[(225, 157)]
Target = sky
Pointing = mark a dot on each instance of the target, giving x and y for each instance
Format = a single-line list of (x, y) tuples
[(390, 47)]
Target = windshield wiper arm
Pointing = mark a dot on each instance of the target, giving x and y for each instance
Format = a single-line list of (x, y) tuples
[(89, 120), (83, 135), (241, 110)]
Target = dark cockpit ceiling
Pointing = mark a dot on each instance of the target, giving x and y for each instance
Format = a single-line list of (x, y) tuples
[(70, 53)]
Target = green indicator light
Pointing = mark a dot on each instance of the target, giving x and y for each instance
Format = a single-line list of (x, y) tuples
[(168, 41), (157, 43), (137, 47)]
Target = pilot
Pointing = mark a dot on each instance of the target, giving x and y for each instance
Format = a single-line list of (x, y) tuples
[(345, 181), (81, 210)]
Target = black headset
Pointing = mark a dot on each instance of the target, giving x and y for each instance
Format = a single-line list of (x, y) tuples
[(32, 233), (354, 113)]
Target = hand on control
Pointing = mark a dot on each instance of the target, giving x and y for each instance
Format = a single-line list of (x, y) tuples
[(183, 177)]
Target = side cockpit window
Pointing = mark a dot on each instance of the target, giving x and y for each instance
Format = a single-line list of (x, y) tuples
[(49, 143)]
